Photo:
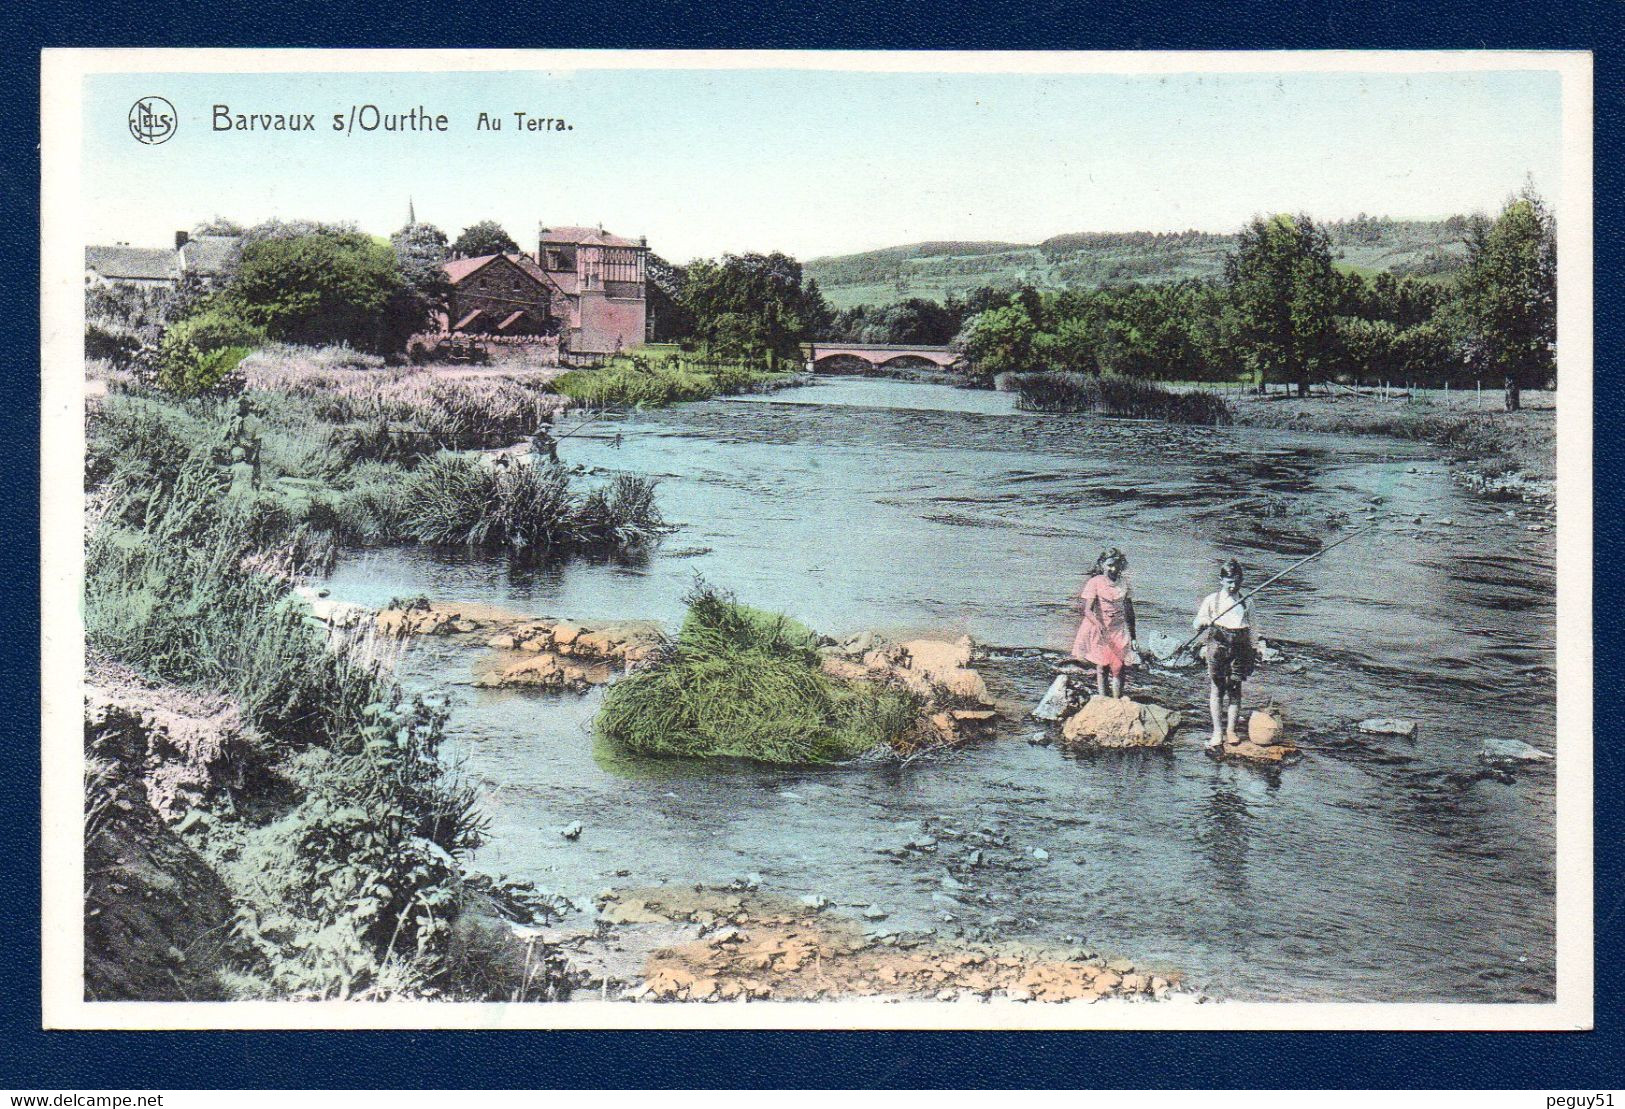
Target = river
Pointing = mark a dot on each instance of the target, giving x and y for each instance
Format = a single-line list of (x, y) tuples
[(1377, 868)]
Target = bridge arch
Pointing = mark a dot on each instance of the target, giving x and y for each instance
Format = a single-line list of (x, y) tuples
[(881, 355)]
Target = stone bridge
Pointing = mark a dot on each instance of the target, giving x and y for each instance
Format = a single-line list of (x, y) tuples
[(880, 355)]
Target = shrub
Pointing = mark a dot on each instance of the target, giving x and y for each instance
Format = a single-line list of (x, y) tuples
[(365, 869), (743, 683), (197, 353), (1115, 396)]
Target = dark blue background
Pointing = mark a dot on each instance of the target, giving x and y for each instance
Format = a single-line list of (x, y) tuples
[(33, 1059)]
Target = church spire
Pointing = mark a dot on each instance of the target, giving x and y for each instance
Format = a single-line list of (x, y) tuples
[(411, 213)]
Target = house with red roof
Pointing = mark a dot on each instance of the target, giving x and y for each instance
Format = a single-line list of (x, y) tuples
[(502, 294), (583, 284)]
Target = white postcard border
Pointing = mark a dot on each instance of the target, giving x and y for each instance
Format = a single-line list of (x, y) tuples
[(62, 556)]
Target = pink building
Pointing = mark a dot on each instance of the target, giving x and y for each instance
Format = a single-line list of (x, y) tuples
[(604, 279), (584, 284)]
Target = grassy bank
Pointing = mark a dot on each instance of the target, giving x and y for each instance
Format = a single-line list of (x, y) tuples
[(742, 683), (304, 814), (655, 376), (327, 817), (401, 411), (1114, 396)]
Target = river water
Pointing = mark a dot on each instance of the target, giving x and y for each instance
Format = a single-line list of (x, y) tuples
[(1376, 869)]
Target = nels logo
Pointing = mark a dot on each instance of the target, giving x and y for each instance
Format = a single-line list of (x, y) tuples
[(153, 120)]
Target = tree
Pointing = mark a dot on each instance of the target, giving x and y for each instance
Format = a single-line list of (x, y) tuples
[(219, 225), (420, 252), (671, 320), (816, 313), (1284, 291), (1071, 346), (1509, 294), (750, 306), (482, 238), (1368, 347), (999, 339), (329, 286)]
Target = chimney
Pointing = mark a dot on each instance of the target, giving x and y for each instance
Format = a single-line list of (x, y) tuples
[(181, 239)]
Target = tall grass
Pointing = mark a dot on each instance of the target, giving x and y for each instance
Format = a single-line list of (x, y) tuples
[(353, 492), (742, 683), (422, 410), (1055, 391), (654, 378), (342, 847)]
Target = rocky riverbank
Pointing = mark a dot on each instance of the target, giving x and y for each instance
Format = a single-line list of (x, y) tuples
[(703, 944)]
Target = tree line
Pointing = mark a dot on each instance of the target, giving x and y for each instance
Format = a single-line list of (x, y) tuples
[(1282, 312)]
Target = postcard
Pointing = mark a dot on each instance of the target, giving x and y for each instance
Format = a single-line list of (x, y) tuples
[(628, 539)]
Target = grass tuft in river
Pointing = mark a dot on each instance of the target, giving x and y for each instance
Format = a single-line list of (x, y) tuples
[(743, 683), (454, 500), (1055, 391)]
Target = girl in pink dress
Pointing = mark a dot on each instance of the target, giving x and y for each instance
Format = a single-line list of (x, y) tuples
[(1106, 636)]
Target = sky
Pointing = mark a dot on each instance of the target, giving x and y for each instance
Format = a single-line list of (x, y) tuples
[(817, 162)]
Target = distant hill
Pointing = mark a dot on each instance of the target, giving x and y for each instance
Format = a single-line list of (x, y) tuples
[(935, 270)]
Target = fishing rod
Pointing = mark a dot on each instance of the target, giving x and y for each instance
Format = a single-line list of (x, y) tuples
[(1265, 584), (565, 435)]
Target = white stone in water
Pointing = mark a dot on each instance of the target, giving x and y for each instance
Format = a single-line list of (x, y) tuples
[(1161, 646), (1057, 699), (1381, 725), (1513, 750)]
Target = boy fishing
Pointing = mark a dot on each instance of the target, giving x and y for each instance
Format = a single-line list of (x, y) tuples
[(1226, 616)]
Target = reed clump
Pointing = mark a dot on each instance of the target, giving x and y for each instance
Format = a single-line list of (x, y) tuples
[(742, 683), (358, 488), (455, 500), (404, 410), (1108, 395)]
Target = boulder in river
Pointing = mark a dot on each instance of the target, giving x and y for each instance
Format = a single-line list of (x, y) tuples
[(938, 671), (1059, 699), (1163, 646), (1264, 729), (1119, 722), (1265, 740)]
